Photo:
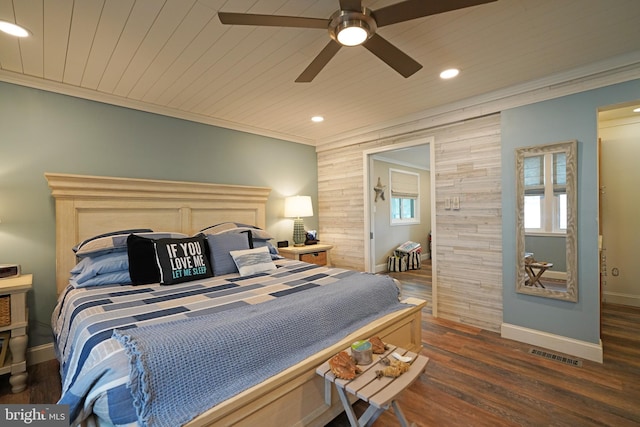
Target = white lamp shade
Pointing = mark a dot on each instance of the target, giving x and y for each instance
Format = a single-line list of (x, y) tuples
[(298, 207)]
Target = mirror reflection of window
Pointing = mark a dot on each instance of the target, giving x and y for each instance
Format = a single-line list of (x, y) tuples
[(546, 221), (545, 193), (532, 212), (560, 191)]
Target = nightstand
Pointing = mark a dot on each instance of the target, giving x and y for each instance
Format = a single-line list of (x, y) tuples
[(313, 254), (15, 363)]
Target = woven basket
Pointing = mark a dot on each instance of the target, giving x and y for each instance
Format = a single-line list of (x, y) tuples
[(5, 310)]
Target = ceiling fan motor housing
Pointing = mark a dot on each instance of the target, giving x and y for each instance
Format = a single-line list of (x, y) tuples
[(352, 19)]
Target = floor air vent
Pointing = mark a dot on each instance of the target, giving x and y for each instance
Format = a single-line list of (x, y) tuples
[(556, 357)]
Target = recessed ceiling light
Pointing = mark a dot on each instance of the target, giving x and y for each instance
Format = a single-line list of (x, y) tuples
[(450, 73), (13, 29), (636, 110), (317, 119)]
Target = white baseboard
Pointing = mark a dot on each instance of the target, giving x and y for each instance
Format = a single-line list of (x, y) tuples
[(623, 299), (40, 353), (582, 349)]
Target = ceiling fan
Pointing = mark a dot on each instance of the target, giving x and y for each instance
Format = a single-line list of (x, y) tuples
[(354, 25)]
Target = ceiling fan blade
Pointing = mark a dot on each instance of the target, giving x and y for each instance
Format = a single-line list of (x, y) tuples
[(412, 9), (272, 20), (319, 62), (355, 5), (394, 57)]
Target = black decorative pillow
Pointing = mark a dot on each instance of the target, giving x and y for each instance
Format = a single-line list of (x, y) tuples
[(183, 260), (168, 261), (143, 267)]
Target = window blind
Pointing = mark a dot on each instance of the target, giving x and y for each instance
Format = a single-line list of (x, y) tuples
[(404, 184), (559, 173), (534, 176)]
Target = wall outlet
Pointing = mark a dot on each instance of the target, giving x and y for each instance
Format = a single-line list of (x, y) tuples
[(456, 203)]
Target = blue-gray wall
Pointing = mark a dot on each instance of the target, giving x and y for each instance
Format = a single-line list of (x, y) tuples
[(46, 132), (567, 118)]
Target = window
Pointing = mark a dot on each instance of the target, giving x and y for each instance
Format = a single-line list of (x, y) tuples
[(545, 193), (405, 197)]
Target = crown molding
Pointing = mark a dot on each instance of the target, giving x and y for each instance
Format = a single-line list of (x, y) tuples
[(599, 74), (604, 73), (92, 95)]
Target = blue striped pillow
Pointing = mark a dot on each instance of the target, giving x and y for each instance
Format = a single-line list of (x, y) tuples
[(253, 261)]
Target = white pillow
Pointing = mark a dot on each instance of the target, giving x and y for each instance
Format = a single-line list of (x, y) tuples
[(253, 261)]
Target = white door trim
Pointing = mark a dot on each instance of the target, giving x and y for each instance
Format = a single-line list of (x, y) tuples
[(369, 243)]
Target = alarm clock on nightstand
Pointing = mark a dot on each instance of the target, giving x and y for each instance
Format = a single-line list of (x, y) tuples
[(9, 270)]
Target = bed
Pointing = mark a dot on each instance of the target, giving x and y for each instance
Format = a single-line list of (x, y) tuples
[(289, 394)]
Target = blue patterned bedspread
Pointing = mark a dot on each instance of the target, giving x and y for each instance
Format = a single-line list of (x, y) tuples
[(96, 368)]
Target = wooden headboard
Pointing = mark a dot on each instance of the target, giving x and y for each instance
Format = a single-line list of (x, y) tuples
[(90, 205)]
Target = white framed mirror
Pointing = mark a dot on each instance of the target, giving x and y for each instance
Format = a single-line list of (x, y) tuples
[(546, 220)]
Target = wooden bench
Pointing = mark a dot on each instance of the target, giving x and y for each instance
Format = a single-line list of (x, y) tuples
[(379, 393)]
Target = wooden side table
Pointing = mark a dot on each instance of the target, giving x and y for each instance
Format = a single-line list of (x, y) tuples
[(379, 393), (313, 254), (15, 363), (534, 277)]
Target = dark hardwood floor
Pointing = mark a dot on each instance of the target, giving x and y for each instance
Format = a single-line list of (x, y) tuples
[(43, 385), (475, 378), (417, 283)]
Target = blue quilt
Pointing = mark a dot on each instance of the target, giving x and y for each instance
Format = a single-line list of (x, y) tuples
[(297, 303)]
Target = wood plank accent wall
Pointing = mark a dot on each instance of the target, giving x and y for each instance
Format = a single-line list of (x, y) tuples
[(468, 242)]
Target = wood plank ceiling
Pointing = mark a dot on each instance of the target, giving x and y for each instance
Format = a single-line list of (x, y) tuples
[(174, 57)]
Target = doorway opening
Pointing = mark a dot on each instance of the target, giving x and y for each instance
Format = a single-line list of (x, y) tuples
[(618, 175), (387, 228)]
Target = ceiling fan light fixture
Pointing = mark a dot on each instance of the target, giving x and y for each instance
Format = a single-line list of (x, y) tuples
[(13, 29), (352, 33), (351, 28)]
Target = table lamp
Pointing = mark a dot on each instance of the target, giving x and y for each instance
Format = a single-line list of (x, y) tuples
[(298, 207)]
